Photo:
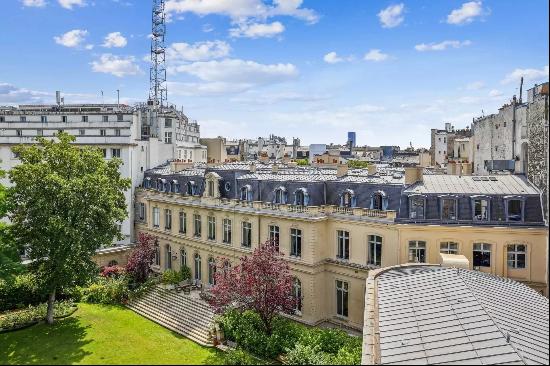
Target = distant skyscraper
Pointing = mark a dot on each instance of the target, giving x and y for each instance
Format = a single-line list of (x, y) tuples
[(352, 140)]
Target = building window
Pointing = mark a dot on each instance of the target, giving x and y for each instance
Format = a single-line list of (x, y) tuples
[(117, 131), (168, 137), (246, 234), (197, 223), (297, 293), (168, 123), (274, 236), (343, 245), (119, 117), (183, 258), (64, 119), (515, 210), (210, 188), (81, 132), (342, 298), (156, 217), (191, 188), (19, 133), (280, 195), (481, 210), (156, 259), (295, 242), (168, 262), (198, 269), (417, 251), (482, 255), (246, 193), (227, 231), (183, 222), (377, 201), (301, 197), (211, 271), (416, 207), (142, 211), (211, 228), (23, 119), (167, 219), (39, 132), (105, 118), (115, 153), (347, 199), (448, 209), (102, 132), (44, 119), (448, 247), (375, 250), (84, 118), (104, 151), (516, 256)]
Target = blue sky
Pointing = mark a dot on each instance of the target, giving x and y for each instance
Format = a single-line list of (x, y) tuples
[(389, 70)]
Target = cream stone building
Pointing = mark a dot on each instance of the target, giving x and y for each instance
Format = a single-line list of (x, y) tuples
[(334, 226)]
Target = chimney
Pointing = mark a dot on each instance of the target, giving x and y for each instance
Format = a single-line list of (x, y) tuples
[(372, 169), (413, 174), (252, 167), (341, 170), (275, 168), (178, 165)]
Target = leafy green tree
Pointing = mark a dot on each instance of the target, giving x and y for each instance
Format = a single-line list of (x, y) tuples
[(9, 256), (66, 202), (357, 164)]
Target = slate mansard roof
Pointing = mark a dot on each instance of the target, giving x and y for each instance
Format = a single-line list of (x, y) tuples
[(437, 315), (325, 187)]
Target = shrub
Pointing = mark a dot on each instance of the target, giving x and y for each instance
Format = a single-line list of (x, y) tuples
[(106, 291), (112, 271), (171, 277), (239, 357), (185, 273), (21, 290), (303, 354), (32, 314)]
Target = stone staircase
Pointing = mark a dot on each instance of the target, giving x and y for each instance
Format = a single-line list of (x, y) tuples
[(187, 315)]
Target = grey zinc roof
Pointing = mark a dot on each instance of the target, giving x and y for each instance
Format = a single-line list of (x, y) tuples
[(500, 184), (437, 315)]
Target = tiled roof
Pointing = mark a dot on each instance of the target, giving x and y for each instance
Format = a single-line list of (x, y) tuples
[(437, 315), (499, 184)]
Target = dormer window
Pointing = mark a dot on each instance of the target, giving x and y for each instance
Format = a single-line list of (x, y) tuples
[(147, 182), (175, 186), (280, 195), (347, 198), (211, 188), (379, 201), (416, 207), (480, 206), (301, 197), (211, 185), (191, 188), (246, 193), (160, 184), (448, 208), (514, 211)]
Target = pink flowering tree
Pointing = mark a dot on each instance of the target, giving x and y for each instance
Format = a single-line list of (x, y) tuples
[(262, 282), (139, 262)]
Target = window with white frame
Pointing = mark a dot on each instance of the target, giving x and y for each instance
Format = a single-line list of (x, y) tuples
[(117, 131), (167, 219), (342, 289), (182, 222), (105, 118), (295, 243), (211, 228), (44, 119), (227, 230), (417, 251), (246, 234), (416, 204), (142, 211), (342, 250), (448, 247), (210, 188), (280, 195), (482, 255), (168, 122), (197, 225), (211, 271), (168, 253), (515, 210), (84, 118), (297, 294), (198, 267), (481, 209), (156, 217), (156, 258), (448, 209), (274, 235), (102, 132), (183, 258), (115, 153), (167, 137), (516, 254), (375, 250)]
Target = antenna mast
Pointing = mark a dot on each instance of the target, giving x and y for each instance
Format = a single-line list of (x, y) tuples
[(158, 93)]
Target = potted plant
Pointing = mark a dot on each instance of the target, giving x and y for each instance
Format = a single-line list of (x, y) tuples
[(185, 273), (170, 279)]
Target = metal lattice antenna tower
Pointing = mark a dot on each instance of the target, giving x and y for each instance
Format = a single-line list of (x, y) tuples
[(158, 93)]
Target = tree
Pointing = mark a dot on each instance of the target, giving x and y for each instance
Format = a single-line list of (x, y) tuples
[(139, 262), (262, 282), (358, 164), (66, 202), (10, 263)]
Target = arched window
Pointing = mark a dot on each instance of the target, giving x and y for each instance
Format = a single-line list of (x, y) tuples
[(168, 263), (347, 198), (246, 193), (168, 187), (183, 258), (190, 189), (147, 182), (280, 195), (160, 184), (175, 186), (156, 259), (301, 197), (198, 270), (297, 293), (211, 271), (210, 188), (379, 201)]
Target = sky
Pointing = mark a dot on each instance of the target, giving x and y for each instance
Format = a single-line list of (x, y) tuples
[(313, 69)]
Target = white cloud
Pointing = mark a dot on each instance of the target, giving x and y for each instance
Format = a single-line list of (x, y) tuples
[(238, 71), (475, 85), (255, 98), (206, 89), (332, 58), (34, 3), (495, 93), (200, 51), (528, 75), (72, 38), (392, 16), (242, 9), (207, 28), (466, 13), (116, 65), (441, 46), (375, 55), (68, 4), (115, 39), (10, 94), (257, 30)]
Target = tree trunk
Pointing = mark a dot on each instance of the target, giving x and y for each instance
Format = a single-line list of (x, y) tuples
[(51, 301)]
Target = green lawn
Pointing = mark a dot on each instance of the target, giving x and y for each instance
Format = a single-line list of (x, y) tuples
[(98, 334)]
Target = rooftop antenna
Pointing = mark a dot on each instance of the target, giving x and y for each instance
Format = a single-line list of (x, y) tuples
[(118, 98), (520, 89), (158, 94)]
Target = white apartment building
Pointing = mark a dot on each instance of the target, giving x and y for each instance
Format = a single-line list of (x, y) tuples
[(141, 137)]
